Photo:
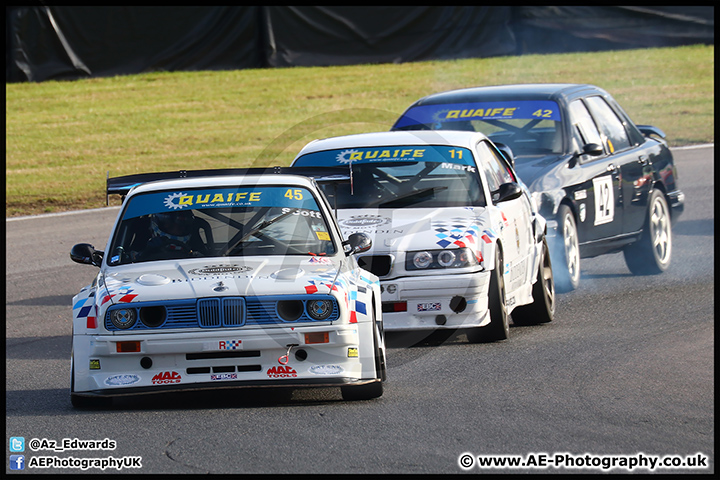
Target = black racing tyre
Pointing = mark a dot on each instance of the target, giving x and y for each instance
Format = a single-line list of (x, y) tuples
[(651, 254), (499, 326), (542, 309), (379, 341), (362, 392), (566, 252)]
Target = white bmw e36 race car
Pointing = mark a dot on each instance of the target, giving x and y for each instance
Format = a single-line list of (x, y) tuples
[(220, 281), (458, 242)]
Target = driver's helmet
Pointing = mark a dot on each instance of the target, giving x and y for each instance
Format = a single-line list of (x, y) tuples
[(175, 227)]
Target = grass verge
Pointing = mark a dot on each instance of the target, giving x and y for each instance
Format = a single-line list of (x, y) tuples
[(62, 138)]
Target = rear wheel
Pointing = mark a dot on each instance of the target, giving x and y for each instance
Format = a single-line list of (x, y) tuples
[(542, 310), (566, 252), (651, 254), (499, 326)]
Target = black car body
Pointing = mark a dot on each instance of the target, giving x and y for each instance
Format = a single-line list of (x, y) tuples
[(603, 183)]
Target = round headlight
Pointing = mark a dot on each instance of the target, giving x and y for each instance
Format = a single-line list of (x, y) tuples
[(446, 258), (289, 310), (123, 318), (319, 309), (153, 316), (422, 259)]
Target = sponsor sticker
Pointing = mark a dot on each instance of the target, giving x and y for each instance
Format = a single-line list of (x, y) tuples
[(224, 376), (219, 269), (230, 345), (166, 378), (429, 307), (281, 372), (320, 261), (352, 352), (326, 369), (121, 380)]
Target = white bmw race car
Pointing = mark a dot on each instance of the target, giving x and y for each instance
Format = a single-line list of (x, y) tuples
[(458, 242), (219, 281)]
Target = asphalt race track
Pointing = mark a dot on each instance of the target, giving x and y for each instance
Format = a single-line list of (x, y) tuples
[(626, 369)]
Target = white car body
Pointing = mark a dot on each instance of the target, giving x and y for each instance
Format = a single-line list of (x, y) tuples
[(223, 325), (436, 298)]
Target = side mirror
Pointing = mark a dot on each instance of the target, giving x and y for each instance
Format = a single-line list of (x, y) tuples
[(86, 254), (649, 131), (508, 191), (357, 243), (593, 149)]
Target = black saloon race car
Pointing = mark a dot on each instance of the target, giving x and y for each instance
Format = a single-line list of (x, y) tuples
[(603, 183)]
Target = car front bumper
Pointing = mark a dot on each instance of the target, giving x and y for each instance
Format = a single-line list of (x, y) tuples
[(436, 301), (276, 356)]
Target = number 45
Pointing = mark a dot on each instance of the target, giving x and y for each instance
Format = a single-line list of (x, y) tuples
[(295, 194)]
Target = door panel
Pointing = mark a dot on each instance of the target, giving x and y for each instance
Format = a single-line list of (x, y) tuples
[(632, 161), (515, 233), (602, 203), (598, 195)]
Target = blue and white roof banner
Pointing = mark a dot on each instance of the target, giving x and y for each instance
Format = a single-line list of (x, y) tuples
[(395, 153), (170, 201), (456, 112)]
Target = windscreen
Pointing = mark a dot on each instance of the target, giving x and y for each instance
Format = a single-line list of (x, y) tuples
[(401, 177), (228, 221), (528, 127)]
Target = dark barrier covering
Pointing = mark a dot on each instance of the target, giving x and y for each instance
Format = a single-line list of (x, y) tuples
[(313, 36), (44, 43), (76, 42), (575, 29)]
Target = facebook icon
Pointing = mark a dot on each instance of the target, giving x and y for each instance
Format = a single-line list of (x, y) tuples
[(17, 462)]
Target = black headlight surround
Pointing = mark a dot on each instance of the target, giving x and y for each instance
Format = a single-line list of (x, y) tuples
[(123, 318), (319, 309), (153, 316), (440, 259), (289, 310)]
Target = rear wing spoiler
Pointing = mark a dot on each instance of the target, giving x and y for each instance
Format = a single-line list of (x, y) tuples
[(123, 185)]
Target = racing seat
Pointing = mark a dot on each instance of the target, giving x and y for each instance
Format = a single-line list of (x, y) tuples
[(202, 225)]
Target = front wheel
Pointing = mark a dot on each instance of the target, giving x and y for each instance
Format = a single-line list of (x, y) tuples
[(542, 309), (499, 326), (566, 252), (362, 392), (651, 254)]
